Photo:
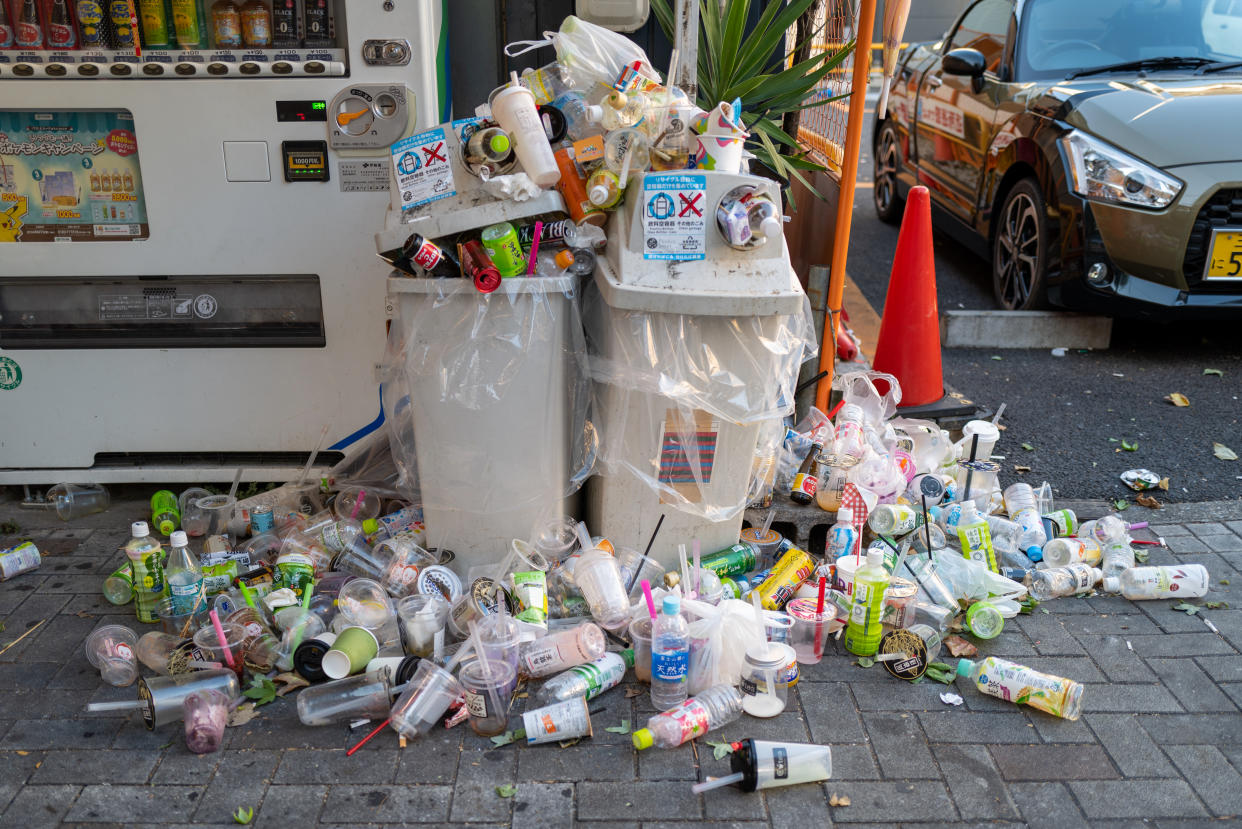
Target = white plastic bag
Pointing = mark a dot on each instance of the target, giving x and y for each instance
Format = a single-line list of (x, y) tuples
[(590, 54), (858, 387)]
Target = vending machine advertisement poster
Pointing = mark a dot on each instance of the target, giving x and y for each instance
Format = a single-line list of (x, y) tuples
[(70, 176)]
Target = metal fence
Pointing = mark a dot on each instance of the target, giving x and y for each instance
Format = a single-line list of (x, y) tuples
[(821, 128)]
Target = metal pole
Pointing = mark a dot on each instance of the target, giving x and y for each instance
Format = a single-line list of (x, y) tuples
[(845, 203)]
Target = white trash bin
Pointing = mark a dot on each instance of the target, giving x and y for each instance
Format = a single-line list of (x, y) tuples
[(694, 364)]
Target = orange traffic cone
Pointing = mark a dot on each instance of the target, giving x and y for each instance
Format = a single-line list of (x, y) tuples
[(909, 344)]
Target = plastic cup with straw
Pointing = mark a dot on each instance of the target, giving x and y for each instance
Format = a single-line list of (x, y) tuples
[(353, 514), (236, 483), (493, 692), (224, 644), (301, 629), (646, 552), (769, 676)]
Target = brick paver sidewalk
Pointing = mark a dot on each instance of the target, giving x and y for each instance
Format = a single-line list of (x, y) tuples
[(1160, 740)]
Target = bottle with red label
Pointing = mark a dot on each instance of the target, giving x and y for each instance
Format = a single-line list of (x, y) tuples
[(8, 38), (28, 31), (806, 482), (61, 33), (429, 256)]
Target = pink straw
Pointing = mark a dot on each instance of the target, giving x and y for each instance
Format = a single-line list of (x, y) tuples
[(819, 618), (362, 493), (224, 644), (650, 601), (534, 248)]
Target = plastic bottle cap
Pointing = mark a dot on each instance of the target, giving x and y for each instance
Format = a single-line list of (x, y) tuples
[(1035, 553), (598, 195), (642, 738), (1112, 584), (179, 539), (139, 529), (671, 606), (845, 515), (770, 227), (595, 113), (564, 258), (964, 667), (875, 558), (166, 527), (370, 525), (500, 143)]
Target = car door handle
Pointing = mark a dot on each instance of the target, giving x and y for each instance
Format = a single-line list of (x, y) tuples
[(934, 81)]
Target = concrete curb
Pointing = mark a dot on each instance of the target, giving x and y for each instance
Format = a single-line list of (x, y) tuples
[(1023, 329)]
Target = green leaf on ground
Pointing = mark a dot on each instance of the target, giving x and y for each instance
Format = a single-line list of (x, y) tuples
[(507, 790), (1223, 452), (10, 528), (1216, 605), (864, 662), (623, 728), (509, 737), (1187, 608), (1121, 504), (1214, 371), (1222, 581), (1113, 440), (720, 750), (243, 815), (1128, 446), (997, 357), (1140, 556), (1028, 447), (262, 690)]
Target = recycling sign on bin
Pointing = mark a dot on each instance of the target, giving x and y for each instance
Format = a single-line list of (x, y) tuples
[(424, 173), (675, 216)]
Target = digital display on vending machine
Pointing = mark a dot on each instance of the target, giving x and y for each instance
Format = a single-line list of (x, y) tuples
[(302, 111)]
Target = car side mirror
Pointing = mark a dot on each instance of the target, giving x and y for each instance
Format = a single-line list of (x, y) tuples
[(968, 62)]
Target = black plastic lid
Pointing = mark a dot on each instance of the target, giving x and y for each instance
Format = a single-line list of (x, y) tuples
[(743, 760), (308, 660), (405, 671), (554, 123)]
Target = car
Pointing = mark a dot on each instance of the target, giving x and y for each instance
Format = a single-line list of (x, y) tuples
[(1088, 148)]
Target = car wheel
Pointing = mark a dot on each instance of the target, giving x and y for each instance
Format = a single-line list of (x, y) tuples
[(1020, 249), (888, 204)]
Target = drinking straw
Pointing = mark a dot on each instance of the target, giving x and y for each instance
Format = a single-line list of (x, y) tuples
[(659, 523), (1138, 525), (974, 446), (819, 618), (362, 493), (224, 645), (236, 481), (767, 522), (685, 568), (999, 411), (698, 575), (310, 461), (461, 654), (760, 625), (717, 782), (364, 740), (534, 248), (650, 601), (625, 165), (121, 705), (477, 644), (584, 537), (245, 591)]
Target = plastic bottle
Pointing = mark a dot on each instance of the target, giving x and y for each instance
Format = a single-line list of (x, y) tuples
[(621, 110), (1005, 533), (1062, 581), (894, 520), (581, 119), (1062, 551), (844, 536), (764, 217), (604, 188), (547, 83), (118, 587), (165, 515), (862, 636), (1118, 556), (670, 656), (1012, 682), (850, 440), (562, 650), (589, 680), (1020, 504), (714, 708), (1105, 529), (184, 575), (1181, 581), (146, 557), (972, 532)]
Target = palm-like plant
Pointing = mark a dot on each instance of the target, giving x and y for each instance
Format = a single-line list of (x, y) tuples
[(750, 65)]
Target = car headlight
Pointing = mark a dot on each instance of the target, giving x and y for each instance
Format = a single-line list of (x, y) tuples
[(1101, 172)]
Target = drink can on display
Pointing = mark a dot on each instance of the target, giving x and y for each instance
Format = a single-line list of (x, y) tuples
[(120, 12), (19, 559)]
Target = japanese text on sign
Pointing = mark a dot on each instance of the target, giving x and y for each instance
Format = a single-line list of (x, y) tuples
[(674, 216), (424, 173)]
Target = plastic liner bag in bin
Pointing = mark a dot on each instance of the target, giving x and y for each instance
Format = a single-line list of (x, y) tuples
[(488, 396), (691, 404), (590, 54)]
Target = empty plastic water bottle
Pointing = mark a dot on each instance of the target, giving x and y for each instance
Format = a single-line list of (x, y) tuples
[(1062, 551), (1062, 581), (716, 707), (588, 681), (844, 536), (1005, 534), (1118, 557), (1020, 504), (1182, 581)]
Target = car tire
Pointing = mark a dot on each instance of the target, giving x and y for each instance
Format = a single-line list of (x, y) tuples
[(889, 205), (1020, 249)]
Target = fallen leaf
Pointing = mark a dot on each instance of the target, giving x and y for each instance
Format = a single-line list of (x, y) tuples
[(1017, 468), (623, 728), (997, 357), (842, 800), (1164, 484), (1187, 608), (1216, 605), (1121, 504), (242, 714), (289, 682), (1223, 452), (1214, 371), (508, 737), (507, 790), (23, 753), (1140, 556), (1128, 446), (1146, 500), (863, 661), (630, 693), (1028, 447), (959, 647), (1113, 440), (243, 815), (1177, 399), (568, 743), (1224, 581), (720, 750), (262, 690)]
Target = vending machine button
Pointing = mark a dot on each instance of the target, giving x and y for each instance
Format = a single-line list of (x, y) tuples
[(217, 69), (120, 69), (314, 67), (89, 70), (246, 161), (56, 70)]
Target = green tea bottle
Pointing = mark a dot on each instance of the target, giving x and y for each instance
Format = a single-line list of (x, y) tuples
[(146, 557), (862, 636)]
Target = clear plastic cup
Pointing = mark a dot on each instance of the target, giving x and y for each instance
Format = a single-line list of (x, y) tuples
[(181, 624), (366, 696), (365, 603), (778, 625), (557, 540), (404, 560), (426, 699), (206, 715), (235, 636), (347, 506), (487, 695), (111, 649), (501, 636), (635, 567), (599, 578), (422, 617), (811, 629), (640, 639), (217, 513), (297, 626), (78, 500), (193, 519)]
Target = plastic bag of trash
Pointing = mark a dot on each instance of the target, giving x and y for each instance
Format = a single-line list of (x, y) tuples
[(860, 388), (590, 54), (719, 640)]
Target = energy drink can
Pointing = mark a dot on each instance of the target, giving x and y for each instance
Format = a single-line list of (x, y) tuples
[(262, 519), (19, 559), (737, 560), (502, 246), (793, 569)]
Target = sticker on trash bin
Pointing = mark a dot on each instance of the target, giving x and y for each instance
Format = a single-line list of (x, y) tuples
[(675, 216), (688, 452), (424, 173)]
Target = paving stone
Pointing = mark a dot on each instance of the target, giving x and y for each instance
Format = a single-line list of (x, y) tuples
[(1193, 688), (1077, 668), (790, 726), (1211, 776), (1128, 624), (1181, 644), (1129, 746), (591, 762), (96, 766), (1053, 762), (1058, 730), (636, 801), (54, 734), (474, 791), (543, 806), (1234, 691), (1225, 543), (1049, 636), (1187, 729), (1102, 799), (70, 583), (853, 762), (1222, 668), (832, 712), (653, 764), (33, 610), (898, 696), (1118, 697), (292, 806), (1168, 531), (974, 782), (799, 807), (243, 779), (17, 768), (354, 805), (900, 746), (1236, 526), (971, 727), (890, 802), (731, 804), (1183, 545), (27, 676), (1202, 529), (431, 759), (180, 766), (124, 804), (39, 806), (1046, 805), (301, 765)]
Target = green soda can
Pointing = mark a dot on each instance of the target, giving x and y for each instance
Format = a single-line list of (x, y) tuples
[(502, 245)]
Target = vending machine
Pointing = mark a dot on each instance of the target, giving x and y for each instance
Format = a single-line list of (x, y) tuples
[(188, 196)]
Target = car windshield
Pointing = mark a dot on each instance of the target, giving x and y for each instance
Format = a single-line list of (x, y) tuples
[(1059, 38)]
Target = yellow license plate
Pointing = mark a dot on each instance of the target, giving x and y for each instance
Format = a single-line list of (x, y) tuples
[(1225, 258)]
